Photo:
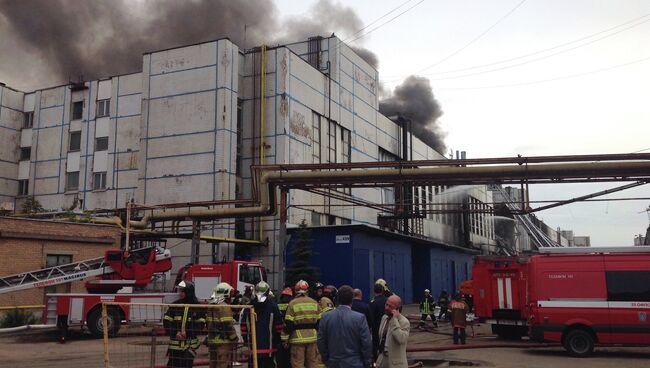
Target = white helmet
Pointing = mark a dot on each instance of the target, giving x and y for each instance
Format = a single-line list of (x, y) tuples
[(221, 293)]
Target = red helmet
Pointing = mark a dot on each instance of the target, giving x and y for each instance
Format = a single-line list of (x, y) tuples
[(287, 291), (301, 287)]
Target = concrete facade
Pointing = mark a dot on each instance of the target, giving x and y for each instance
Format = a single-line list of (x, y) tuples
[(189, 126)]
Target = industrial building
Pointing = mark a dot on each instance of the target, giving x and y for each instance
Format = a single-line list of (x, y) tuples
[(188, 127)]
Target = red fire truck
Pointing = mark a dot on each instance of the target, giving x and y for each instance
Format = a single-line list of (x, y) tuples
[(577, 297), (118, 269)]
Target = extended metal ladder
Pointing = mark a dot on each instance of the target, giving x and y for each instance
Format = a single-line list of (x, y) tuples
[(54, 275), (540, 238)]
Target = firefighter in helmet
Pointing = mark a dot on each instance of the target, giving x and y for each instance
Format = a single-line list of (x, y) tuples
[(301, 326), (327, 301), (182, 324), (318, 291), (268, 325), (285, 298), (427, 308), (222, 336)]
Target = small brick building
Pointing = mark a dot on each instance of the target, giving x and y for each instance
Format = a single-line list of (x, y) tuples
[(30, 244)]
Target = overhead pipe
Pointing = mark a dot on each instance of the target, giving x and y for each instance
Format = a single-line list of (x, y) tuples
[(270, 180)]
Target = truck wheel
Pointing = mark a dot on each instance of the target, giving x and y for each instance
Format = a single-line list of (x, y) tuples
[(579, 343), (96, 326)]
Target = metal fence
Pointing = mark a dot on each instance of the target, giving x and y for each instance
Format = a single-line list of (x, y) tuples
[(147, 335)]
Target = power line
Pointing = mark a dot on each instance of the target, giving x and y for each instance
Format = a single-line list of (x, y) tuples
[(541, 57), (474, 39), (377, 20), (388, 21), (551, 48), (550, 79)]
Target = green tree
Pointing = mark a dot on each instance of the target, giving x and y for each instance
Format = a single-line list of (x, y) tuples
[(301, 252), (31, 206)]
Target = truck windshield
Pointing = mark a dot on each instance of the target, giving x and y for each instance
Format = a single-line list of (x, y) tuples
[(250, 274)]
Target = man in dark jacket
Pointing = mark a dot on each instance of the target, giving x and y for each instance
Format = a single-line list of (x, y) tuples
[(268, 325), (182, 325), (443, 303), (358, 305), (376, 312), (344, 336)]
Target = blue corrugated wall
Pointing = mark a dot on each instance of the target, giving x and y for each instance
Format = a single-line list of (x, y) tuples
[(408, 268)]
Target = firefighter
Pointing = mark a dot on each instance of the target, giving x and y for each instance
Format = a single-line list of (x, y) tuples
[(427, 306), (222, 336), (301, 326), (383, 283), (326, 301), (285, 298), (182, 324), (282, 357), (458, 315), (443, 303), (268, 325), (318, 291)]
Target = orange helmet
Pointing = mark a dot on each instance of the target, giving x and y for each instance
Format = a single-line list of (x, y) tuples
[(287, 291), (301, 287)]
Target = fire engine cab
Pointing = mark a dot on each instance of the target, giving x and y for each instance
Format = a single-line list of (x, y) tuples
[(577, 297)]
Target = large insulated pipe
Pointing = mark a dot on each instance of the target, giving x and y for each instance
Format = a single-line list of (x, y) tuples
[(269, 180)]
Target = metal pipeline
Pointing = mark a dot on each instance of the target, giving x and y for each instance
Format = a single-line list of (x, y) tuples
[(270, 180)]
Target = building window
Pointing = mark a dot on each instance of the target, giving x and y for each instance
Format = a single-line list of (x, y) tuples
[(315, 129), (628, 286), (52, 260), (77, 110), (331, 142), (103, 108), (23, 187), (28, 121), (101, 144), (25, 153), (72, 181), (99, 180), (346, 145), (75, 142)]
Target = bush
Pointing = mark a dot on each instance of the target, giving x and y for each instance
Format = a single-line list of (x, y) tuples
[(17, 317)]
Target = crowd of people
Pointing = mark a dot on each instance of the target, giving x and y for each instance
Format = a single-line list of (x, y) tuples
[(306, 327)]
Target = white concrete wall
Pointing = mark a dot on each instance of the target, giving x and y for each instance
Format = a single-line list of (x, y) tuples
[(11, 121)]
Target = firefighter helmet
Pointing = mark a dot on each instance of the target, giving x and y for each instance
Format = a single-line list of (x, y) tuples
[(301, 287), (287, 291), (382, 282), (221, 293), (330, 291), (262, 291)]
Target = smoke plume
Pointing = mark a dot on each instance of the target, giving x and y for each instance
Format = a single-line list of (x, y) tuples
[(60, 40), (414, 100)]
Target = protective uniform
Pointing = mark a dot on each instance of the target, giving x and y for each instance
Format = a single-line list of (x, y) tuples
[(427, 308), (327, 300), (282, 357), (443, 302), (182, 325), (458, 315), (268, 326), (222, 337), (301, 326)]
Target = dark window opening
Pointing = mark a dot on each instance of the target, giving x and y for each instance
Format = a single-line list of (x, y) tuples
[(25, 153), (75, 142), (101, 144), (77, 110), (628, 286)]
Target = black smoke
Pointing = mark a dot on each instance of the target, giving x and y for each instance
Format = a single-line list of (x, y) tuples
[(414, 100), (54, 41)]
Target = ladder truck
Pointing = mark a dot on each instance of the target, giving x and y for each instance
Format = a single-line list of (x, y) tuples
[(106, 276)]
